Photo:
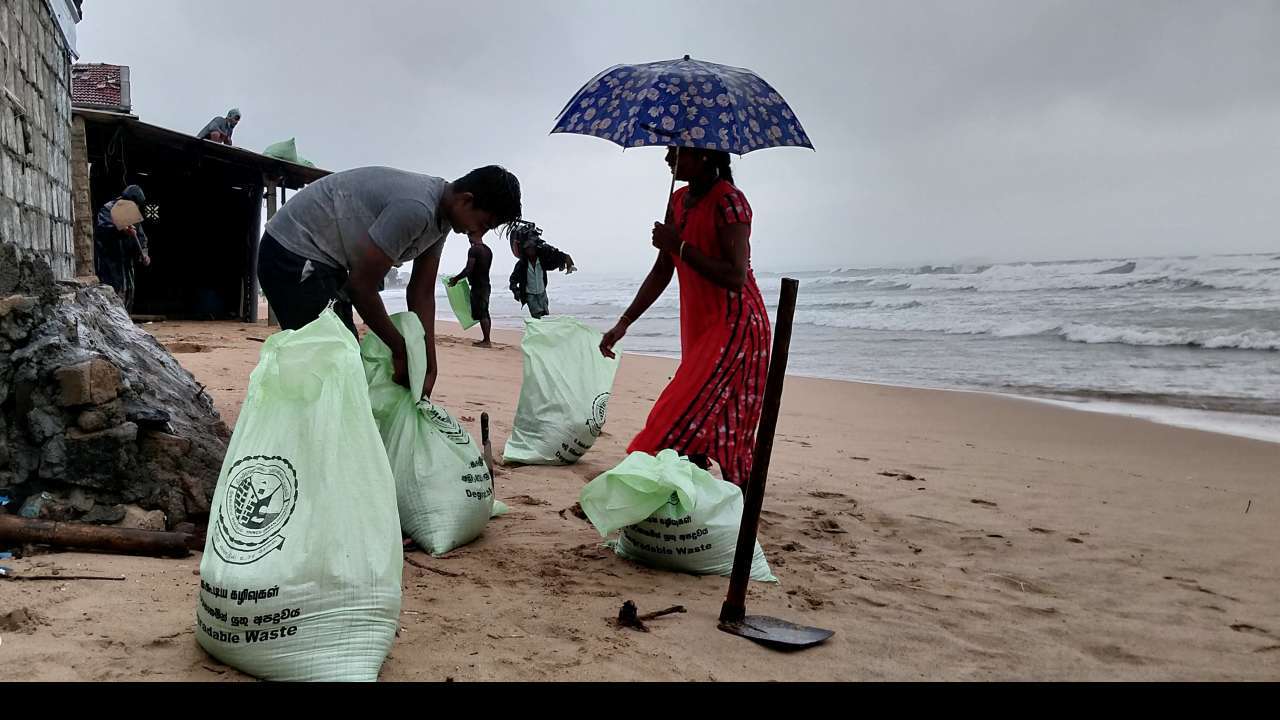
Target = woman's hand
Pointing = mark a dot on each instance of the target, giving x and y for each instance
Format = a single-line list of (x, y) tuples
[(666, 239), (612, 337)]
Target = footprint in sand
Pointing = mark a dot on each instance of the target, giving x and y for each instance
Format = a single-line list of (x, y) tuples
[(1190, 584), (1014, 582), (827, 525), (1251, 629), (810, 598), (1114, 654), (825, 495), (527, 500), (900, 475)]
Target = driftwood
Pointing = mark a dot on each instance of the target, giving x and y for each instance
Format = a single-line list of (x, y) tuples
[(155, 543)]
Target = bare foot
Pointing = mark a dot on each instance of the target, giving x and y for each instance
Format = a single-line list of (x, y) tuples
[(482, 343)]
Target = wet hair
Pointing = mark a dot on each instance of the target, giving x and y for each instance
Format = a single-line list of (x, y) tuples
[(493, 190), (720, 161), (524, 236), (523, 232)]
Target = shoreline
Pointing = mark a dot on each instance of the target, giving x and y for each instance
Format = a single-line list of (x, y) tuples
[(1253, 426)]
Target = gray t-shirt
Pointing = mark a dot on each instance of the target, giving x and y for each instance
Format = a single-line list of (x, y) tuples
[(398, 209), (220, 124)]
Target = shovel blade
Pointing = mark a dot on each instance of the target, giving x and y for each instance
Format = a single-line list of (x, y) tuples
[(776, 632)]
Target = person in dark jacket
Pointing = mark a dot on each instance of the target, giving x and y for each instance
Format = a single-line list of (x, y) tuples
[(528, 280), (115, 251)]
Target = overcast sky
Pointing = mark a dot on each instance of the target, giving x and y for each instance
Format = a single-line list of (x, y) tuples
[(945, 131)]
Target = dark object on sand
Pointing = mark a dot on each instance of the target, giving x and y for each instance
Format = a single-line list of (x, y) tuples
[(11, 576), (484, 442), (627, 616), (154, 543), (766, 630)]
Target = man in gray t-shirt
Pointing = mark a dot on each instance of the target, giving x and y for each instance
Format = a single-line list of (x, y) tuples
[(336, 239)]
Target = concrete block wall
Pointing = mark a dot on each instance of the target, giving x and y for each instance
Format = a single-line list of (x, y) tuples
[(35, 135)]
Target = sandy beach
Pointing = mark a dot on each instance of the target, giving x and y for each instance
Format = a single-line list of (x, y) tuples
[(942, 535)]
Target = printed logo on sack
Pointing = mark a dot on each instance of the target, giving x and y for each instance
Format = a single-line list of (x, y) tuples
[(261, 495), (599, 408), (447, 426)]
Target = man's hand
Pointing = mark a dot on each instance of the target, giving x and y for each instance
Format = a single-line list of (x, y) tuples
[(429, 383), (146, 260), (400, 365)]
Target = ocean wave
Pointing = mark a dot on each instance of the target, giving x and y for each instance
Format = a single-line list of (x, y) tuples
[(1088, 333), (1124, 269), (1252, 339), (1249, 273), (1079, 283)]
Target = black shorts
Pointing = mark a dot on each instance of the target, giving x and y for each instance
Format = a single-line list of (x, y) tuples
[(480, 302), (297, 300)]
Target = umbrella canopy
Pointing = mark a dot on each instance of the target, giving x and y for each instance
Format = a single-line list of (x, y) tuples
[(685, 103)]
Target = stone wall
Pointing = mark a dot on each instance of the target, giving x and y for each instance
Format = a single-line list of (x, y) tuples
[(35, 130)]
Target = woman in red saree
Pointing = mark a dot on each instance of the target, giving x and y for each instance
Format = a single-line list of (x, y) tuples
[(710, 409)]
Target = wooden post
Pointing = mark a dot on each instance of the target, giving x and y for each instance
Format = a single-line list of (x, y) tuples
[(271, 211), (734, 607), (249, 313)]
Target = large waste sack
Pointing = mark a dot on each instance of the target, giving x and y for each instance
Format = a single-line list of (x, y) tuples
[(564, 394), (672, 515), (443, 487), (460, 300), (287, 150), (300, 578)]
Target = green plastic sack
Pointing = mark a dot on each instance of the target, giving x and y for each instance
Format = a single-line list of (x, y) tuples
[(673, 515), (564, 395), (300, 578), (287, 150), (443, 488), (460, 300)]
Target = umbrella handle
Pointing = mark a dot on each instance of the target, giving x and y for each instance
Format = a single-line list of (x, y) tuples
[(735, 608), (672, 191)]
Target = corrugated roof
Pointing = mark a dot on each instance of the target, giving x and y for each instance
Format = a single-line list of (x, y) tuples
[(291, 175)]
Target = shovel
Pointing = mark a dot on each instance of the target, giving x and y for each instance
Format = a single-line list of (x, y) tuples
[(770, 631)]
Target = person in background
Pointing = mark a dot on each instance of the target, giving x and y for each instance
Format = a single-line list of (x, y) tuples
[(220, 128), (528, 280), (479, 260), (115, 251)]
